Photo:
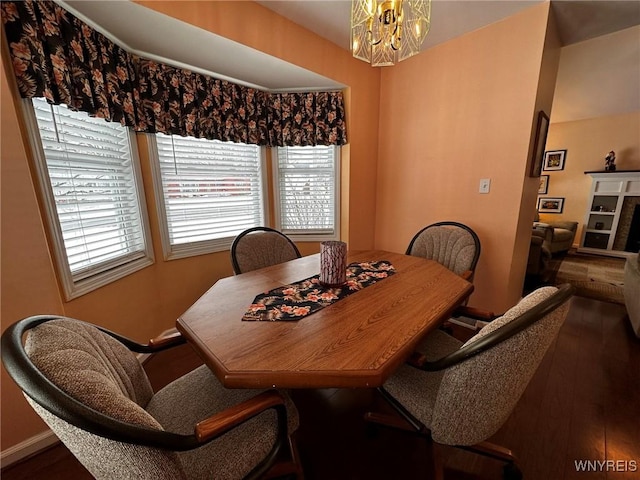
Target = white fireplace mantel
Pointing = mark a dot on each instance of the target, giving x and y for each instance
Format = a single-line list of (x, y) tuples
[(603, 231)]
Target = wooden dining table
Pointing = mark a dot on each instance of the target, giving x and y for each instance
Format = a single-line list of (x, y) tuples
[(357, 341)]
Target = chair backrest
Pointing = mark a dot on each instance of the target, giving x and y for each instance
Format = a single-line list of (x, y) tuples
[(92, 391), (261, 247), (477, 395), (452, 244)]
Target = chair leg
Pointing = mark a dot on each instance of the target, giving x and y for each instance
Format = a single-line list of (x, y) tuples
[(295, 456), (403, 420), (287, 467), (388, 420), (408, 423), (415, 425)]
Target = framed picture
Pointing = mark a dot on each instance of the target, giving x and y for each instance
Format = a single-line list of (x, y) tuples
[(542, 129), (550, 205), (544, 185), (554, 160)]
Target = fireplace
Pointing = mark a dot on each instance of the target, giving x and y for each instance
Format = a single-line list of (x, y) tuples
[(633, 240), (628, 231)]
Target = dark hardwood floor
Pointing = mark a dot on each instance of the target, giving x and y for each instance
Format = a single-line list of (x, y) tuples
[(582, 404)]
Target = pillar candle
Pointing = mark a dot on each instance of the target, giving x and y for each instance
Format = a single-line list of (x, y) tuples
[(333, 263)]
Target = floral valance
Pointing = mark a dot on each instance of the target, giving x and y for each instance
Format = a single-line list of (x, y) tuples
[(57, 56)]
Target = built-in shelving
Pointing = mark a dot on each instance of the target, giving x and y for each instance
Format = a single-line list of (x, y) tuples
[(606, 202)]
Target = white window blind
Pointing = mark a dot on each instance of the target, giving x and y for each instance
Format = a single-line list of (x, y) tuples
[(211, 191), (94, 186), (307, 191)]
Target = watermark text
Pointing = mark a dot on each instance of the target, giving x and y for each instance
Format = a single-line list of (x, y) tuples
[(606, 465)]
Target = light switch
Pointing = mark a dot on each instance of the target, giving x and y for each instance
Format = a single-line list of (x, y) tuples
[(485, 185)]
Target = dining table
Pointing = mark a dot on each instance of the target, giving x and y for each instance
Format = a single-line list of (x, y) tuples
[(357, 341)]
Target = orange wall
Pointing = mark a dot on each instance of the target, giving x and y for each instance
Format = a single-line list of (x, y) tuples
[(587, 142), (450, 116), (147, 302), (544, 100), (28, 283)]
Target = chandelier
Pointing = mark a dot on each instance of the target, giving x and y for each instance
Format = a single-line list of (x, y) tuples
[(384, 32)]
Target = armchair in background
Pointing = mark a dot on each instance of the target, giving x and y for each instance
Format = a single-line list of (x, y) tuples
[(631, 289), (261, 247), (539, 256), (451, 244), (558, 236)]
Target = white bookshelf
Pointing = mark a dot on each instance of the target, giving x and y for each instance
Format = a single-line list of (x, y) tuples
[(607, 196)]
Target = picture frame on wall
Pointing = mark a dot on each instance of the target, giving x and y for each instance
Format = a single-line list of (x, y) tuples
[(550, 204), (542, 128), (554, 160), (543, 189)]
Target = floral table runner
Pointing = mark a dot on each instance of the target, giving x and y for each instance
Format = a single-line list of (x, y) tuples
[(295, 301)]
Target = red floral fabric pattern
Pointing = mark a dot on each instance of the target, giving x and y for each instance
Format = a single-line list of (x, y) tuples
[(295, 301), (57, 56)]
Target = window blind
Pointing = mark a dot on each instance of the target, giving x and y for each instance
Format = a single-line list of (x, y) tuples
[(307, 189), (212, 190), (92, 178)]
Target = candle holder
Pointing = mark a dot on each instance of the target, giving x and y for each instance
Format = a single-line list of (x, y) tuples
[(333, 263)]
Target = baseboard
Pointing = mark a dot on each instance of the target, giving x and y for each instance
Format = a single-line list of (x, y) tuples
[(27, 448), (47, 438)]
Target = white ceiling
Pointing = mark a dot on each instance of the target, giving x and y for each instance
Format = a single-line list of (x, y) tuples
[(153, 35), (578, 20), (331, 19)]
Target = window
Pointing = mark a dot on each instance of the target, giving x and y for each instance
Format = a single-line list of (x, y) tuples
[(208, 192), (90, 181), (306, 191)]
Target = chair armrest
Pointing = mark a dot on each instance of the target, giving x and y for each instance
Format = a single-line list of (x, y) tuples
[(167, 341), (536, 240), (224, 421), (473, 312), (536, 245), (473, 348), (154, 345), (543, 230), (573, 226), (467, 275)]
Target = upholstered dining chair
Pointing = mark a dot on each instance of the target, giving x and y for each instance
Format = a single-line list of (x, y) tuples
[(261, 247), (91, 390), (452, 244), (461, 394)]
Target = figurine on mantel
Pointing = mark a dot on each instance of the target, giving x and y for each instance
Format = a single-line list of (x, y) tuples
[(610, 162)]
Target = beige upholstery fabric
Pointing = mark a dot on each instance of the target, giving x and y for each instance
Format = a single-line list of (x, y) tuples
[(450, 246), (197, 395), (102, 373), (93, 368), (559, 235), (262, 249), (471, 400), (632, 290), (415, 389), (539, 257), (108, 460)]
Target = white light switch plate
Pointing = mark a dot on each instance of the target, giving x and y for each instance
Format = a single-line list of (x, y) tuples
[(485, 185)]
